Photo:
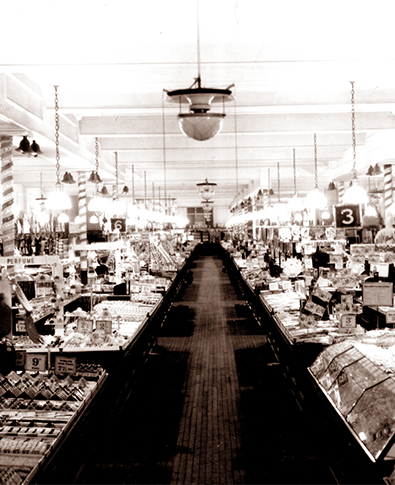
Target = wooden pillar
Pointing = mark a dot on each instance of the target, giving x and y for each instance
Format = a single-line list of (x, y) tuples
[(387, 187), (7, 185), (341, 192), (83, 233)]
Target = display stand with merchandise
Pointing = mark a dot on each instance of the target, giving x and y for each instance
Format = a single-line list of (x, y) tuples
[(326, 309)]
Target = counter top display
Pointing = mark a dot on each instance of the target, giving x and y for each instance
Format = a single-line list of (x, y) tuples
[(362, 390), (83, 333), (37, 412), (284, 308)]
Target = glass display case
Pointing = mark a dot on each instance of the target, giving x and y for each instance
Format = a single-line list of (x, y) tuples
[(362, 394)]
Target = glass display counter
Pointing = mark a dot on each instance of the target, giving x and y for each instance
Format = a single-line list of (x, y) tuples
[(362, 394)]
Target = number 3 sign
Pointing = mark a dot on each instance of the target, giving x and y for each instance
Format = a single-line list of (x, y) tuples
[(348, 215)]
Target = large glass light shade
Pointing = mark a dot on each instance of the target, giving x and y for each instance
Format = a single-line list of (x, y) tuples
[(355, 194), (295, 204), (118, 207), (97, 204), (43, 218), (370, 211), (201, 126), (59, 200), (207, 190), (315, 200), (63, 218)]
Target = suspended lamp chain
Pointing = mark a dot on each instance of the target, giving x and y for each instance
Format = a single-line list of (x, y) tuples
[(57, 154), (294, 170), (96, 162), (354, 169), (278, 181), (315, 162), (116, 175), (133, 184), (198, 43)]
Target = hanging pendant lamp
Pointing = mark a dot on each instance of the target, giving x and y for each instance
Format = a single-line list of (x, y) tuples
[(199, 123), (58, 200), (24, 146), (295, 204), (206, 190), (355, 194), (315, 199), (68, 178), (94, 177), (118, 207), (27, 148), (377, 170), (97, 203)]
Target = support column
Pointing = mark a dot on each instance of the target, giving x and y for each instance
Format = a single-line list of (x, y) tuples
[(387, 187), (341, 192), (83, 233), (7, 185)]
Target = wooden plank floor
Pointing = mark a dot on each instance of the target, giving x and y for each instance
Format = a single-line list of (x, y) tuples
[(212, 404), (210, 437)]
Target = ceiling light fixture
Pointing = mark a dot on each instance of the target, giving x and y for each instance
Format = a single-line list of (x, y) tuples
[(377, 170), (68, 178), (199, 123), (58, 200), (315, 199), (118, 207), (94, 177), (207, 190), (370, 170), (295, 204), (96, 204), (355, 194), (26, 148)]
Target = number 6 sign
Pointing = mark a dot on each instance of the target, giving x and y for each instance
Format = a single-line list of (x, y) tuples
[(348, 215)]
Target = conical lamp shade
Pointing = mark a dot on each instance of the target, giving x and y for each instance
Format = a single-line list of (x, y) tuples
[(24, 146), (35, 148)]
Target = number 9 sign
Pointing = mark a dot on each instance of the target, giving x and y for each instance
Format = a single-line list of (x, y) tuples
[(348, 215)]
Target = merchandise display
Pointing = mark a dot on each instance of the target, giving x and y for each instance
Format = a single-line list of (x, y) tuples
[(327, 297), (36, 412), (60, 334), (362, 388)]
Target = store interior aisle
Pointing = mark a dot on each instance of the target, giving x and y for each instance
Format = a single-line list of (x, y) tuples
[(211, 404)]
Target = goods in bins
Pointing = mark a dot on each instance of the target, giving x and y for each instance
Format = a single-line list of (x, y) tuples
[(155, 254), (29, 323)]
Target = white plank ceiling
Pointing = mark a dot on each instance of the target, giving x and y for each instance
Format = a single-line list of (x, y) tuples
[(291, 63)]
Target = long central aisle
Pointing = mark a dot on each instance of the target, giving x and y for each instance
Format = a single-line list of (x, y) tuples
[(209, 444), (211, 404)]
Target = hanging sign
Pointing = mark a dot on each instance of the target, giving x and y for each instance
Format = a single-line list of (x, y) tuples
[(348, 216), (118, 224), (29, 260), (377, 294)]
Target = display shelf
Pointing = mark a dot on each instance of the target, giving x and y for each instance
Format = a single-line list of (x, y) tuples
[(31, 430), (362, 394)]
